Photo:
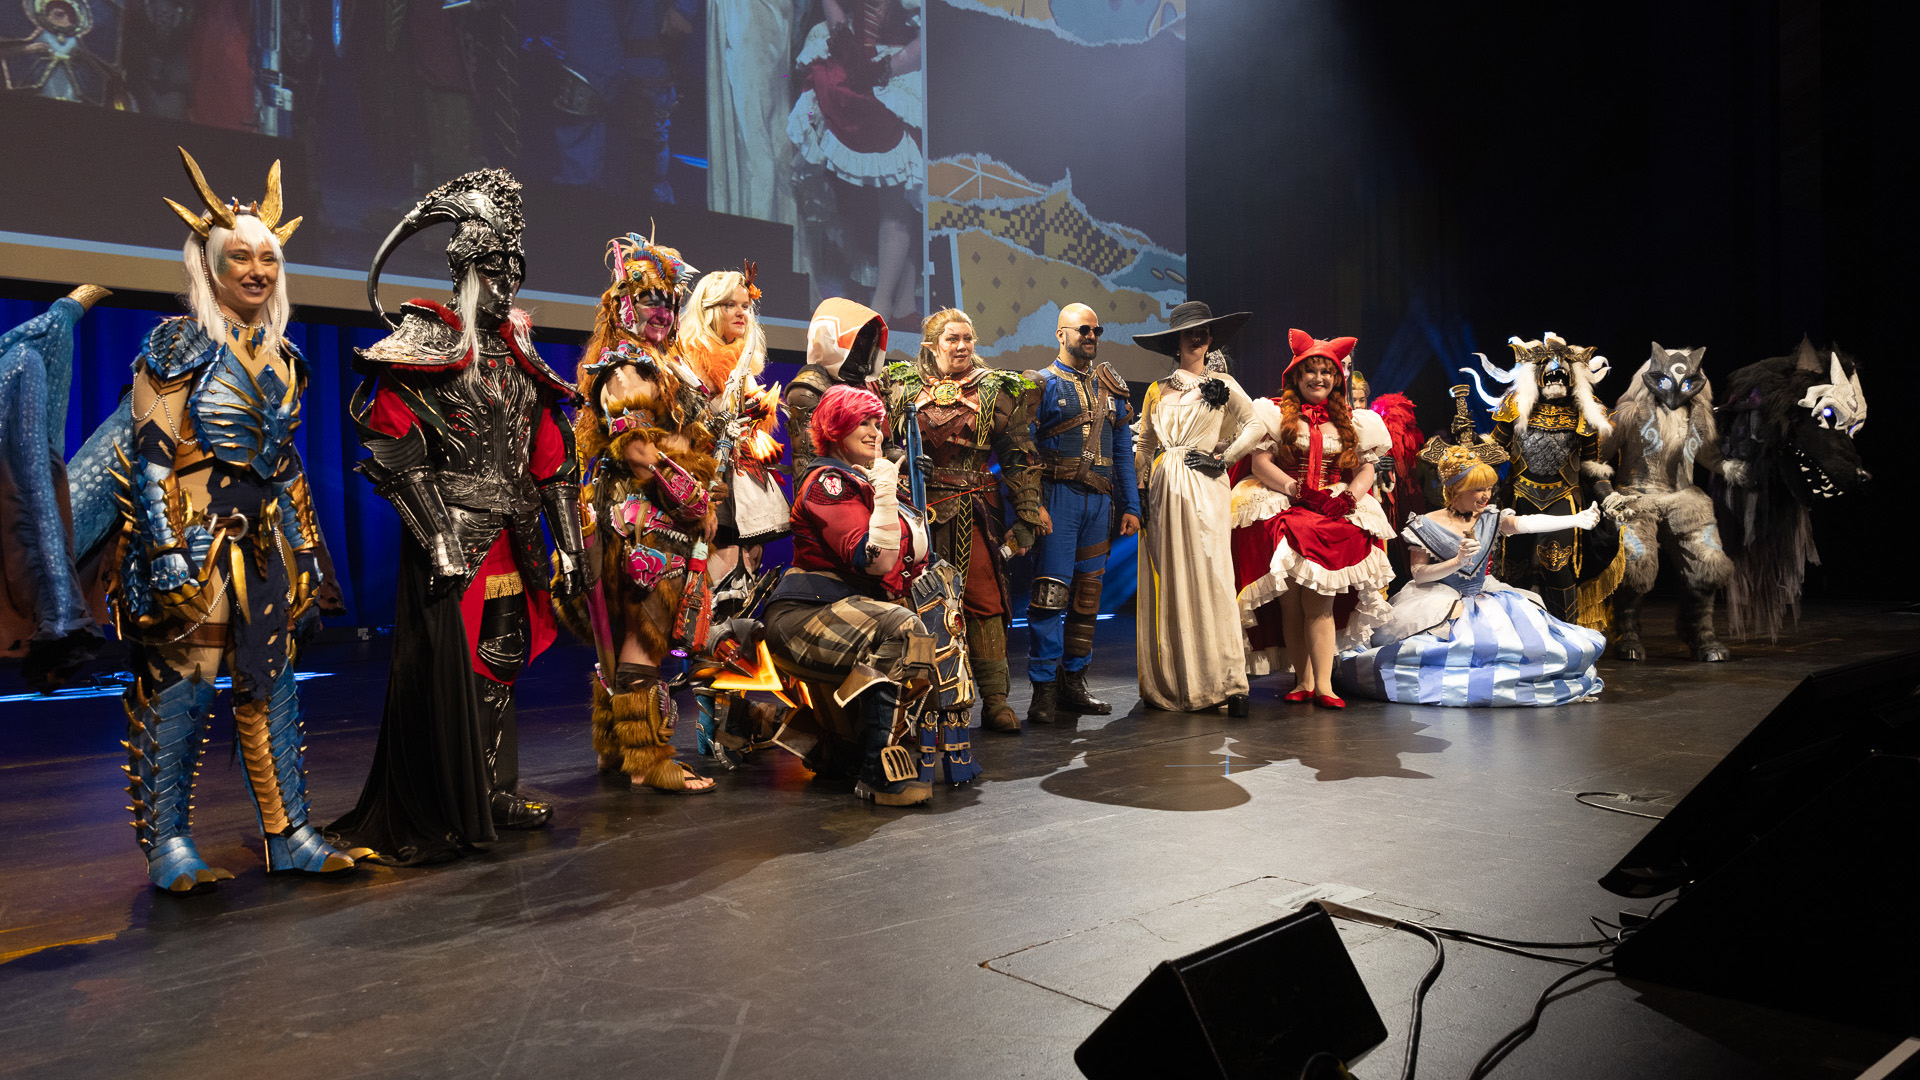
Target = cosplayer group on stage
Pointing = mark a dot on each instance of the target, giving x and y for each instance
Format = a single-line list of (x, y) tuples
[(631, 504)]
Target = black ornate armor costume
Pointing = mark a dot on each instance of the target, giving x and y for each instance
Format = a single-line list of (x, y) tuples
[(466, 438), (1554, 443)]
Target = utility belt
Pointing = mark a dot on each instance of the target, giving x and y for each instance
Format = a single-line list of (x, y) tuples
[(953, 479), (1060, 468)]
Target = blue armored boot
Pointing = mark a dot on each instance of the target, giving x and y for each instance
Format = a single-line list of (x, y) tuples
[(163, 757), (714, 738), (269, 735)]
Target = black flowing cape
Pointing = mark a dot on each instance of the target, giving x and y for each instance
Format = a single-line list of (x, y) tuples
[(426, 799)]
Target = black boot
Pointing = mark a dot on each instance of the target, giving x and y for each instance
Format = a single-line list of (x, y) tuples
[(1238, 705), (1040, 710), (880, 709), (1073, 696)]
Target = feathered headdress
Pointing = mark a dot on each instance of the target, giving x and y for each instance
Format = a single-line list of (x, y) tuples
[(641, 265), (223, 214)]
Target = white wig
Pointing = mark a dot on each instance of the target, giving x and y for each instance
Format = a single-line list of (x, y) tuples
[(203, 259)]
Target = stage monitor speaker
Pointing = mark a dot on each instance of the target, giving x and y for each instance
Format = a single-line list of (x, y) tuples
[(1821, 729), (1815, 918), (1257, 1005)]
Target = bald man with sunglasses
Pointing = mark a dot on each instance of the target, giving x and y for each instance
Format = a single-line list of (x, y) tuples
[(1082, 429)]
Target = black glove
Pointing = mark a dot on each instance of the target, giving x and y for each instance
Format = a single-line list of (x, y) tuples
[(1206, 464)]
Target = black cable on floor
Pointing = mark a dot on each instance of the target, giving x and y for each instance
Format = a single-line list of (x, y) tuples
[(1512, 1039), (1581, 798), (1420, 994)]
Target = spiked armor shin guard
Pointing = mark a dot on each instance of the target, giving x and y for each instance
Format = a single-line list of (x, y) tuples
[(163, 757), (269, 734)]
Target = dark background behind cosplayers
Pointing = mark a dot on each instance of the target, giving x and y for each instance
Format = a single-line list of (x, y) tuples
[(1434, 179)]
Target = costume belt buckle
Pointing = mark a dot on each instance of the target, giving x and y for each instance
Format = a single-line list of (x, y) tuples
[(214, 523)]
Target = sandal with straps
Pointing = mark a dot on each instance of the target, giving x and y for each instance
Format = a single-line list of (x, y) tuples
[(670, 778)]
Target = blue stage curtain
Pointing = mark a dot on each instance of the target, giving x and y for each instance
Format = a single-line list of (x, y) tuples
[(363, 533)]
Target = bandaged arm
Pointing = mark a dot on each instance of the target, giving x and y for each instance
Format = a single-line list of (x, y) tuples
[(883, 524)]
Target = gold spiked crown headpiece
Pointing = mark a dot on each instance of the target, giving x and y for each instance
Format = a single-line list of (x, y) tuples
[(1539, 352), (224, 214)]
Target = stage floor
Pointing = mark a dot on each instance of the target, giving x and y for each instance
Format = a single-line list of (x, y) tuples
[(779, 928)]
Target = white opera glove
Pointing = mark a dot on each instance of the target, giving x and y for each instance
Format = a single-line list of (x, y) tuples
[(1548, 523), (883, 527), (1469, 547)]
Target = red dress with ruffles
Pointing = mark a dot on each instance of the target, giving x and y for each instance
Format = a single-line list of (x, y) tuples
[(1279, 544)]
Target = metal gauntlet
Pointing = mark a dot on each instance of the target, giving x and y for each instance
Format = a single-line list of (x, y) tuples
[(416, 498), (561, 501)]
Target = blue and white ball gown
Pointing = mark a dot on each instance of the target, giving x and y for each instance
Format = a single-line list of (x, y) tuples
[(1470, 640)]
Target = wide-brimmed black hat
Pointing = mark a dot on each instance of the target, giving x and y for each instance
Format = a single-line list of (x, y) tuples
[(1187, 316)]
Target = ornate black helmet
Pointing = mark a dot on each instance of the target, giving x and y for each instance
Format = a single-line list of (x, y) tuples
[(484, 207)]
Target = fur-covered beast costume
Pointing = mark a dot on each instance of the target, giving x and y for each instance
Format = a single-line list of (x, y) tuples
[(1662, 427), (1792, 420), (649, 466), (1551, 427)]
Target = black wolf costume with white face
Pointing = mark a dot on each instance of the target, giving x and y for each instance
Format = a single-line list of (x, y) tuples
[(1662, 427), (1551, 425), (1792, 420)]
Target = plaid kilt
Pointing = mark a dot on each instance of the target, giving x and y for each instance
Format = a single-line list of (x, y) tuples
[(856, 630)]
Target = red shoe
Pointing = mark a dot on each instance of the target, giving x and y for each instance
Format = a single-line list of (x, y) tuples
[(1329, 701), (1298, 696)]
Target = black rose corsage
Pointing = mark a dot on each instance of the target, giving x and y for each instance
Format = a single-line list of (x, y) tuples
[(1214, 392)]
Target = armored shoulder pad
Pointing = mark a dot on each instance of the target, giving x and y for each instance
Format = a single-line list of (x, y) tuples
[(1507, 412), (815, 378), (176, 347), (901, 371), (428, 339), (1115, 385)]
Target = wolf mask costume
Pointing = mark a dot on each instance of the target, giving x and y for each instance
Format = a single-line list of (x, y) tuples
[(1792, 420), (1663, 426)]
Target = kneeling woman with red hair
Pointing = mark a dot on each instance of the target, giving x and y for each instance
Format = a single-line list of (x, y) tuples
[(855, 556)]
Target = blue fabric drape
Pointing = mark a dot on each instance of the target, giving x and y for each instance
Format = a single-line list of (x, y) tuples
[(363, 534)]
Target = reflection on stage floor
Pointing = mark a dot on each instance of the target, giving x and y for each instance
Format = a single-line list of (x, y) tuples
[(779, 928)]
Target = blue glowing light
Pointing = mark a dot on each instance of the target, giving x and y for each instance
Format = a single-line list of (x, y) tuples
[(122, 679)]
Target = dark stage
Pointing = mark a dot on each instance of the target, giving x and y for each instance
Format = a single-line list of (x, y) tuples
[(780, 929)]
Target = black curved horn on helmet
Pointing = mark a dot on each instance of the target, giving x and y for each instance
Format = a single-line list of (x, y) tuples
[(484, 207)]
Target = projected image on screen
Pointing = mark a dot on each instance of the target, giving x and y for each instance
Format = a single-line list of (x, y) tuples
[(794, 133)]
